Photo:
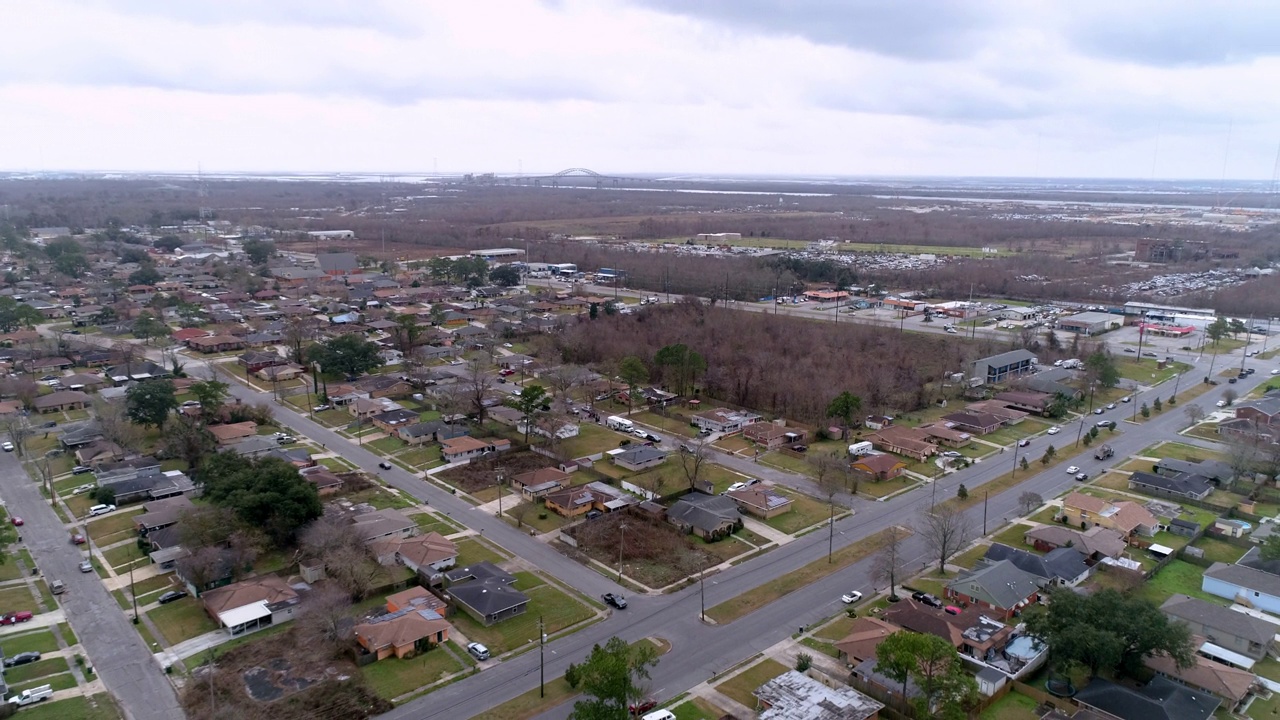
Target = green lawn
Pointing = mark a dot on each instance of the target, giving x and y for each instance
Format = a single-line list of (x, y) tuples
[(591, 439), (1218, 550), (531, 517), (1014, 536), (1013, 433), (884, 488), (970, 557), (669, 425), (17, 597), (421, 456), (181, 620), (557, 609), (57, 681), (741, 686), (120, 557), (805, 512), (430, 522), (1178, 451), (697, 709), (40, 641), (472, 550), (387, 445), (23, 673), (1177, 577), (531, 703), (1144, 370), (96, 707), (112, 528), (1011, 707), (392, 677)]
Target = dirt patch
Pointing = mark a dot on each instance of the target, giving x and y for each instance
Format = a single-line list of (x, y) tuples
[(481, 474), (273, 682), (654, 552)]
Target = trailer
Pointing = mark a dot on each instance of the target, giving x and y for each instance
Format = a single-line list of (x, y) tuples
[(613, 422)]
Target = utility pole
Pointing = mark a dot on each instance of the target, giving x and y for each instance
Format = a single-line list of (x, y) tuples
[(1016, 447), (542, 659), (499, 470), (831, 529), (132, 588), (702, 589), (1245, 352), (985, 494)]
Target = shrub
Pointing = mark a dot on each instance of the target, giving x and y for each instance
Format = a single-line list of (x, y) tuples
[(804, 661), (572, 676), (962, 492)]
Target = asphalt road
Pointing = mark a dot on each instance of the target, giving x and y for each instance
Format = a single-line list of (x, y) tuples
[(114, 648)]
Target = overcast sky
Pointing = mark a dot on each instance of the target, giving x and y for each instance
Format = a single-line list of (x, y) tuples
[(1138, 89)]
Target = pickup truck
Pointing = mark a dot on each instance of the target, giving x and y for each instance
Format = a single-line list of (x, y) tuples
[(32, 695), (1103, 453)]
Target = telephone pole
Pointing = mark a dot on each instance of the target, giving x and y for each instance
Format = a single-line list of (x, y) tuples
[(542, 659)]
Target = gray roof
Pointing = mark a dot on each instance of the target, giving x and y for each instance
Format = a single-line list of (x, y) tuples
[(794, 696), (1159, 699), (705, 512), (485, 588), (640, 454), (1181, 484), (337, 262), (1006, 358), (1216, 617), (1002, 584), (1065, 563), (1245, 577), (1212, 469), (1268, 404)]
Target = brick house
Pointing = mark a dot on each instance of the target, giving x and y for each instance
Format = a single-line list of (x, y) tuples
[(904, 441), (879, 467)]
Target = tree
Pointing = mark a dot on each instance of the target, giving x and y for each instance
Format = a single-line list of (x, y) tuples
[(632, 372), (259, 251), (14, 315), (844, 406), (693, 454), (610, 677), (1030, 501), (1088, 439), (476, 383), (1049, 454), (896, 658), (347, 354), (1217, 330), (1051, 340), (682, 366), (563, 379), (202, 566), (1024, 464), (150, 402), (113, 420), (889, 561), (504, 275), (1237, 326), (325, 619), (211, 394), (529, 402), (189, 439), (1146, 411), (1271, 547), (145, 275), (962, 492), (1157, 405), (406, 333), (146, 327), (946, 529), (826, 468), (1108, 631), (1100, 369), (267, 493), (168, 243), (298, 331), (1242, 453)]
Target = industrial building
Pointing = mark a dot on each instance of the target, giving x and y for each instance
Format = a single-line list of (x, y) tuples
[(1090, 323)]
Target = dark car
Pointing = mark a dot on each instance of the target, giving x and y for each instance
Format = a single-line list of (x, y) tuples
[(1231, 381), (51, 423), (22, 659), (77, 539), (616, 601), (384, 465), (926, 598), (1081, 477), (799, 448), (593, 514), (171, 596), (81, 470)]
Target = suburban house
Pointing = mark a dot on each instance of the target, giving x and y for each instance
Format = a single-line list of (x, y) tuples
[(1063, 566), (707, 516), (945, 434), (877, 422), (978, 423), (552, 424), (773, 435), (1000, 587), (428, 554), (1005, 366), (882, 466), (971, 632), (216, 343), (323, 478), (865, 635), (403, 633), (537, 483), (230, 433), (62, 400), (1242, 584), (1231, 685), (796, 695), (382, 525), (1263, 411), (337, 263), (484, 592), (159, 514), (379, 386), (392, 419), (1181, 485), (1159, 698), (146, 483), (280, 373), (1097, 542), (84, 381), (433, 431), (1128, 518), (1235, 631), (720, 420), (464, 447), (254, 360), (415, 597), (574, 501), (1218, 472), (1025, 400), (904, 441), (251, 604), (760, 501), (1007, 415), (638, 457)]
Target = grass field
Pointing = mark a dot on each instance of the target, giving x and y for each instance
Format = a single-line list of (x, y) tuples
[(1218, 550), (529, 704), (805, 512), (112, 528), (1179, 451), (753, 600), (393, 677), (591, 439), (1114, 480), (1011, 707), (1145, 370), (41, 640), (181, 620), (96, 707), (696, 709), (472, 551), (1014, 536), (1177, 577), (884, 488), (1014, 433), (740, 686), (17, 597), (557, 609), (23, 673)]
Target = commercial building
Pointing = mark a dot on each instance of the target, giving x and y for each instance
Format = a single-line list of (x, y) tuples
[(1090, 323)]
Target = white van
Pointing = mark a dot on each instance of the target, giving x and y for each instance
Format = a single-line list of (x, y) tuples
[(659, 715), (100, 510), (613, 422), (36, 694)]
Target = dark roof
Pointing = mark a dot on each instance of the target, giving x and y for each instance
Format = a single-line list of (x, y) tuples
[(1159, 699), (1181, 484), (1223, 620), (705, 512), (1006, 358), (1064, 563), (485, 588), (1188, 524), (484, 570), (640, 454), (336, 262), (1212, 469), (396, 417), (1002, 584)]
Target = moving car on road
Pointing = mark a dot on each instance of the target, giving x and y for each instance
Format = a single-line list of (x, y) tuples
[(616, 601), (8, 446), (851, 597), (1073, 470), (1054, 430)]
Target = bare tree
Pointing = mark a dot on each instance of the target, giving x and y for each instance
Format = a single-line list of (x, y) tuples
[(24, 389), (354, 569), (826, 471), (889, 561), (1030, 501), (17, 432), (202, 566), (206, 526), (693, 455), (521, 511), (116, 427), (946, 529), (243, 547), (1194, 413), (325, 620), (299, 332), (1242, 456), (563, 379), (476, 384)]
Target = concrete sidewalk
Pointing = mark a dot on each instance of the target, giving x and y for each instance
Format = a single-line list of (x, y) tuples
[(47, 619), (194, 646), (765, 531)]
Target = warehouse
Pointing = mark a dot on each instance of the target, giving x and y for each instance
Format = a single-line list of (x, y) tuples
[(1090, 323)]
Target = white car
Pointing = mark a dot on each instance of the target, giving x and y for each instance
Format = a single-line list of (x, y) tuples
[(1054, 430), (1073, 470), (735, 486), (8, 446), (851, 597), (101, 510), (952, 454), (1276, 371), (1221, 403)]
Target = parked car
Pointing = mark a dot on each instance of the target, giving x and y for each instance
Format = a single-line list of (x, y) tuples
[(1230, 381), (82, 489), (478, 651), (100, 510), (171, 596), (851, 597), (593, 514), (22, 659), (8, 446), (286, 439), (799, 447), (320, 408), (1054, 430), (643, 706), (49, 424), (1073, 470), (1024, 442), (57, 588), (81, 470), (952, 454), (1099, 411), (1081, 477), (18, 521), (926, 598), (77, 539), (14, 618), (1126, 398), (86, 566), (384, 465), (616, 601)]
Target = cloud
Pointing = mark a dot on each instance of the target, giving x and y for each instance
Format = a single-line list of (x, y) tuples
[(1177, 33)]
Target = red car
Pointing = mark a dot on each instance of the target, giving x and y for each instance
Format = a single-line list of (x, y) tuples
[(507, 372), (15, 617), (77, 539), (643, 706), (18, 521)]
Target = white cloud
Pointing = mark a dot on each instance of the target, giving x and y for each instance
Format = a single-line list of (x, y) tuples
[(751, 86)]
